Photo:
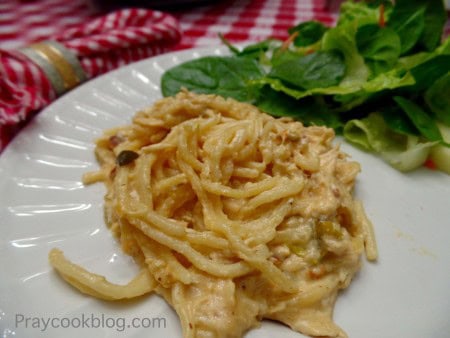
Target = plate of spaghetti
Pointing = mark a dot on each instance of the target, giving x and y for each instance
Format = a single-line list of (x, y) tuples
[(125, 213)]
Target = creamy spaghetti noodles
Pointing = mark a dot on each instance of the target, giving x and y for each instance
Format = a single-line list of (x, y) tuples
[(232, 215)]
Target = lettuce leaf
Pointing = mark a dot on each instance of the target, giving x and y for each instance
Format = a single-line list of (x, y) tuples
[(437, 98), (413, 157), (380, 47), (361, 13), (373, 134), (395, 78), (402, 152), (342, 38)]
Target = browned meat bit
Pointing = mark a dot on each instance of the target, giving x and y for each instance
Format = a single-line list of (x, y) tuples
[(126, 157)]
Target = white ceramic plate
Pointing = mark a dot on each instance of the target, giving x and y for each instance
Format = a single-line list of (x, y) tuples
[(43, 204)]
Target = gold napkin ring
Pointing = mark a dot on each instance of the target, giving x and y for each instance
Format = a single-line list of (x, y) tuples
[(59, 64)]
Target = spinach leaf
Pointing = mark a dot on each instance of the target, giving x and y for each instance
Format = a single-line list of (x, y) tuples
[(397, 121), (420, 22), (409, 23), (309, 32), (380, 47), (426, 73), (309, 111), (317, 70), (226, 76), (435, 18), (437, 98), (421, 120)]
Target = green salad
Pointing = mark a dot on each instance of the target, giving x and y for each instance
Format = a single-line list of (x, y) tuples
[(380, 77)]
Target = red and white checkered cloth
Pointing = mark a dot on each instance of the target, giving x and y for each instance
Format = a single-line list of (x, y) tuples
[(100, 45), (23, 22)]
